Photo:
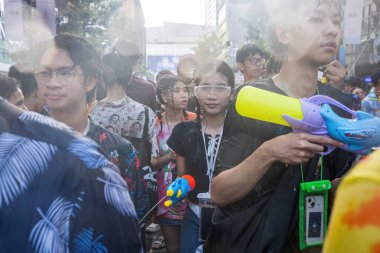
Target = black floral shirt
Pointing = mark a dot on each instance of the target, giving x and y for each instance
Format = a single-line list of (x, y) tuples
[(119, 151)]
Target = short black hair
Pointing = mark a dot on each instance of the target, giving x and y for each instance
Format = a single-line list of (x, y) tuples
[(353, 81), (83, 54), (8, 86), (375, 76), (117, 70), (27, 80), (248, 50)]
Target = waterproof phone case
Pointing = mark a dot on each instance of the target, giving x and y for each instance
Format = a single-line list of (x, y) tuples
[(313, 200)]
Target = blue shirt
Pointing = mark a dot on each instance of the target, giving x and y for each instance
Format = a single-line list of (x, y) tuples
[(371, 104), (58, 193)]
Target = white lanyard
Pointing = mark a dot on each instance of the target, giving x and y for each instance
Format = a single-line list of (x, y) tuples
[(210, 153)]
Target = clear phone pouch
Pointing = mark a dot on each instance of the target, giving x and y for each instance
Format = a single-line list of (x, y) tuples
[(313, 200)]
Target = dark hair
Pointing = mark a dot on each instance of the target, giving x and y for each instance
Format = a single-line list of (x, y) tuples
[(248, 50), (215, 67), (117, 70), (8, 86), (211, 68), (163, 73), (285, 12), (375, 75), (83, 54), (166, 84), (26, 79), (353, 81)]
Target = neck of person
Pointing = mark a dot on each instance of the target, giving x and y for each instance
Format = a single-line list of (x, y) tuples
[(251, 79), (76, 119), (298, 79), (172, 115), (115, 93), (213, 124)]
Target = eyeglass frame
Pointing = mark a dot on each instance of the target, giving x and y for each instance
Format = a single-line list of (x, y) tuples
[(52, 73), (212, 86), (255, 61)]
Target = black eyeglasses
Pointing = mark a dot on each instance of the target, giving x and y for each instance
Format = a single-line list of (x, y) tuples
[(255, 61), (64, 75)]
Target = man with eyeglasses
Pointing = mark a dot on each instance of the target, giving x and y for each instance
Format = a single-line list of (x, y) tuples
[(250, 60), (67, 77)]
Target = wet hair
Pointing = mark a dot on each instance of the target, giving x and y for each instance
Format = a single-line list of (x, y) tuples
[(166, 84), (288, 14), (375, 76), (8, 86), (248, 50), (117, 70), (83, 54), (27, 80)]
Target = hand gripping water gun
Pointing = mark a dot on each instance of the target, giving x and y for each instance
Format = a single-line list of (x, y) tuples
[(312, 115), (179, 189)]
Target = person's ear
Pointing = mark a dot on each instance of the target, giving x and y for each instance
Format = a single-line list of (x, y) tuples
[(91, 83), (240, 67)]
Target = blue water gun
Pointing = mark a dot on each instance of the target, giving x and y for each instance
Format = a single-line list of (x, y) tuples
[(179, 189), (312, 115)]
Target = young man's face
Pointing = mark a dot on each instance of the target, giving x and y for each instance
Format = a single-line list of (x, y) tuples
[(252, 67), (316, 37), (17, 99), (66, 90)]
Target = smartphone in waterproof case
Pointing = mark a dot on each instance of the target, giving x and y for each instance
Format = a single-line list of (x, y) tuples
[(314, 217), (313, 201)]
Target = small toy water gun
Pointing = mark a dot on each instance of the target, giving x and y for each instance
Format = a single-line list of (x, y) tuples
[(312, 115), (179, 189)]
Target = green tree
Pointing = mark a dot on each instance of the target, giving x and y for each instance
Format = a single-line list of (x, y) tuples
[(209, 47), (89, 19)]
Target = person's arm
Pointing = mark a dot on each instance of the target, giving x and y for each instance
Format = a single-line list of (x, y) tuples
[(295, 148), (159, 162), (181, 165)]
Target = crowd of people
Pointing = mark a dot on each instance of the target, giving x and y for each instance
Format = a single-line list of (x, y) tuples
[(88, 149)]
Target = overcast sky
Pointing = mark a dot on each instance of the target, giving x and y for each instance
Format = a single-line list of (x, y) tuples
[(180, 11)]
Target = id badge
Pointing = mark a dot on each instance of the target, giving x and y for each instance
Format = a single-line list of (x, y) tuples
[(205, 214), (313, 200)]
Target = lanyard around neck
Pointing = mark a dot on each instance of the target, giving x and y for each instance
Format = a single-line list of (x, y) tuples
[(210, 160)]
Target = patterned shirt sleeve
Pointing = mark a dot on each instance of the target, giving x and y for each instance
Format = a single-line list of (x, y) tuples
[(152, 134)]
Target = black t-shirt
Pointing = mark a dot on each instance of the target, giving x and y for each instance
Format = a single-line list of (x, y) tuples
[(186, 140), (278, 188)]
